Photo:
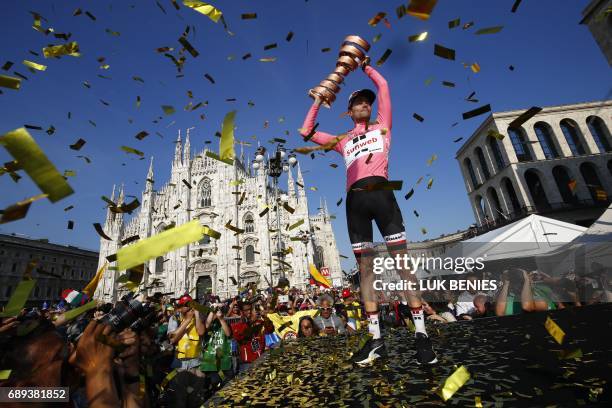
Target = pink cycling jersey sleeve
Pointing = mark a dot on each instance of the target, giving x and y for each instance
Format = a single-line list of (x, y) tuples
[(320, 138), (384, 97)]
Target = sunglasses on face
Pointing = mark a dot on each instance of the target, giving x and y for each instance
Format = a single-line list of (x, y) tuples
[(325, 309)]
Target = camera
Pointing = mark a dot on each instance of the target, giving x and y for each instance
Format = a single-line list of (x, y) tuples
[(129, 312)]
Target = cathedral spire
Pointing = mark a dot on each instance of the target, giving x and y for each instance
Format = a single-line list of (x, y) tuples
[(121, 196), (300, 188), (325, 207), (187, 151), (149, 182), (177, 150)]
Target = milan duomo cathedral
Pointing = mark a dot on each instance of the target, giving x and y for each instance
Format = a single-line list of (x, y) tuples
[(211, 191)]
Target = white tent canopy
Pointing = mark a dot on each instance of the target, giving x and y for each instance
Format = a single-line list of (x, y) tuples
[(586, 254), (529, 237)]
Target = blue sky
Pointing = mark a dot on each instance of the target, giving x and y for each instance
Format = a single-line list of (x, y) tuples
[(556, 62)]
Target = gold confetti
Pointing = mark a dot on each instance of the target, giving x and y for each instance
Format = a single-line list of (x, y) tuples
[(423, 231), (421, 9), (33, 65), (18, 298), (429, 184), (24, 149), (418, 117), (72, 49), (270, 46), (443, 52), (418, 37), (162, 243), (476, 112), (295, 225), (495, 134), (452, 384), (489, 30), (18, 210), (454, 23), (475, 67), (10, 82), (168, 109), (410, 193), (433, 158), (376, 19), (249, 16), (226, 145), (132, 150), (271, 59), (384, 57), (204, 8), (194, 53), (524, 117), (554, 330)]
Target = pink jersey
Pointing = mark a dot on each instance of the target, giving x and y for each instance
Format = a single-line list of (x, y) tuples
[(357, 147)]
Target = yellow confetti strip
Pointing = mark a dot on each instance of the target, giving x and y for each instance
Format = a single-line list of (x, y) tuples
[(554, 330), (418, 37), (33, 65), (495, 134), (207, 9), (162, 243), (5, 374), (10, 82), (18, 298), (226, 145), (477, 402), (72, 49), (272, 59), (453, 383), (475, 67), (421, 9), (24, 149), (129, 149)]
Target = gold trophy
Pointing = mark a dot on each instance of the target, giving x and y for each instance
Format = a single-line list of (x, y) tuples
[(352, 53)]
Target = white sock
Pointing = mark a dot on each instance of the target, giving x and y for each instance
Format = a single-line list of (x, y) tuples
[(373, 326), (419, 320)]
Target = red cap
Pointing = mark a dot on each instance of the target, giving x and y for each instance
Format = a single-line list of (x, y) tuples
[(346, 293), (183, 300)]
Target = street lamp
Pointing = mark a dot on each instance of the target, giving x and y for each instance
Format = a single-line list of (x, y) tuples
[(304, 237), (274, 167)]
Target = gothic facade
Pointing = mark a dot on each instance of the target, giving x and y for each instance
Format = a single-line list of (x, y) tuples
[(218, 194)]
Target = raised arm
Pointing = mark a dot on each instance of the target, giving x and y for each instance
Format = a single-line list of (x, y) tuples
[(320, 138), (383, 96)]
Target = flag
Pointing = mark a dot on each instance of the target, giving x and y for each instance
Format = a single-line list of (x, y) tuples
[(319, 279), (93, 284), (74, 297)]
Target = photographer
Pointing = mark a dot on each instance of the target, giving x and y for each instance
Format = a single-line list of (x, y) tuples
[(189, 386), (249, 333)]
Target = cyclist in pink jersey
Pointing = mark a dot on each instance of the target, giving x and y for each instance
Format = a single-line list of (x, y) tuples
[(365, 150)]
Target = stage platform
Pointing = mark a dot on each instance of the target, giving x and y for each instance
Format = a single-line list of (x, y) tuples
[(513, 362)]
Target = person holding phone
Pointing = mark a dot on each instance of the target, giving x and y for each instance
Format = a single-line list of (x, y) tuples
[(328, 323)]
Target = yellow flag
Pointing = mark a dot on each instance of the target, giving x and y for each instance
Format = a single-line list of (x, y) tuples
[(207, 9), (316, 275), (93, 284), (226, 146), (160, 244)]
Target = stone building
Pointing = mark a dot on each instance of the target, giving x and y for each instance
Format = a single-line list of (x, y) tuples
[(216, 194), (558, 164), (598, 18), (58, 267)]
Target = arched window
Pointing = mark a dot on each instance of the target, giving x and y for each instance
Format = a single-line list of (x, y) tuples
[(544, 134), (536, 188), (159, 265), (519, 142), (249, 224), (592, 181), (318, 257), (497, 209), (514, 201), (250, 254), (600, 133), (572, 136), (480, 207), (470, 169), (499, 159), (483, 163), (564, 184), (205, 239), (205, 193)]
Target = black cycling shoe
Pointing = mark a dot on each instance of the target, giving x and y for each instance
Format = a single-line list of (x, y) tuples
[(371, 351), (425, 353)]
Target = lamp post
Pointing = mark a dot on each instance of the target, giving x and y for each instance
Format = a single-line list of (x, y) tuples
[(274, 167), (304, 237)]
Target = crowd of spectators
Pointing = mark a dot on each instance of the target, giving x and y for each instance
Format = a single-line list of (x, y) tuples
[(177, 352)]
